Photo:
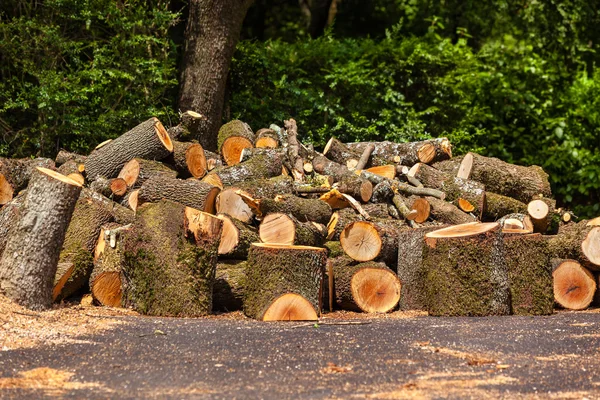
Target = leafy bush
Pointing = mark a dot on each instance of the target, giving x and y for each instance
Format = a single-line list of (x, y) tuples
[(73, 73)]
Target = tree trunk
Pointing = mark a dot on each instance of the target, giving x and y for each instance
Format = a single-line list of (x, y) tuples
[(230, 285), (28, 264), (466, 271), (170, 260), (578, 242), (212, 32), (9, 216), (529, 274), (284, 282)]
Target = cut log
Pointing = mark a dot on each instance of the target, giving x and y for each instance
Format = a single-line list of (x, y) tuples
[(131, 199), (376, 210), (466, 271), (230, 285), (191, 193), (386, 171), (236, 238), (543, 216), (578, 242), (285, 229), (518, 182), (213, 160), (454, 187), (303, 209), (267, 138), (427, 151), (170, 260), (28, 264), (188, 159), (16, 173), (111, 188), (334, 249), (72, 168), (497, 206), (370, 240), (284, 282), (64, 156), (447, 213), (339, 220), (360, 189), (340, 153), (368, 287), (450, 166), (137, 171), (261, 166), (188, 123), (529, 274), (294, 149), (149, 140), (410, 268), (234, 137), (230, 203), (76, 261), (422, 207), (365, 157), (574, 285), (106, 280), (325, 166), (516, 221)]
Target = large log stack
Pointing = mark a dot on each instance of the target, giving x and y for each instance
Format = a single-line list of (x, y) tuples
[(276, 229)]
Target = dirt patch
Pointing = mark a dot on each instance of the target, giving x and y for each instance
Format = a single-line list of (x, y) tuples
[(22, 328)]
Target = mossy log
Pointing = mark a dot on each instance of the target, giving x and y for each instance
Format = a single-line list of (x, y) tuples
[(284, 282), (266, 138), (355, 186), (450, 166), (170, 260), (188, 122), (282, 228), (427, 151), (137, 171), (410, 268), (339, 220), (234, 137), (9, 215), (334, 249), (148, 140), (230, 285), (340, 153), (64, 156), (454, 187), (372, 240), (191, 193), (106, 280), (529, 274), (303, 209), (121, 214), (76, 260), (29, 261), (466, 271), (516, 221), (516, 181), (574, 285), (368, 287), (497, 206), (236, 238), (261, 166), (578, 242), (16, 173), (188, 159), (447, 213)]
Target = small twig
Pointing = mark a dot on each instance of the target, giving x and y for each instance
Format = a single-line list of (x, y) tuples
[(364, 158), (414, 181), (28, 314)]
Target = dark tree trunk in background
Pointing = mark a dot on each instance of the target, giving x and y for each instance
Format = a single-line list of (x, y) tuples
[(317, 13), (212, 32)]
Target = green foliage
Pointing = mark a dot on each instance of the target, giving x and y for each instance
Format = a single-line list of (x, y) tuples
[(73, 73)]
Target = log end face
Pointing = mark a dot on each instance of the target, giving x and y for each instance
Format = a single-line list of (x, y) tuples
[(375, 290), (58, 176), (209, 205), (130, 172), (361, 241), (464, 170), (196, 160), (267, 142), (229, 236), (591, 246), (277, 228), (290, 307), (163, 135), (106, 289), (231, 203), (574, 286), (232, 149), (6, 190)]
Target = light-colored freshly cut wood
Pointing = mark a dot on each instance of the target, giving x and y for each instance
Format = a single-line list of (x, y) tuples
[(188, 159), (339, 220), (574, 285), (372, 240), (539, 212), (465, 205), (463, 230), (283, 282), (231, 203), (234, 137), (266, 138), (427, 151), (359, 188), (137, 171), (30, 258), (387, 171), (516, 221), (577, 242), (594, 222), (213, 179), (148, 140), (285, 229), (423, 209), (236, 238)]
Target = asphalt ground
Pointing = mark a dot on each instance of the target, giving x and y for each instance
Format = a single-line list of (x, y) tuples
[(416, 357)]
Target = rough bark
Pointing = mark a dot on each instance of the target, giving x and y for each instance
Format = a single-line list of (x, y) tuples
[(355, 186), (148, 140), (170, 260), (213, 160), (339, 220), (578, 242), (64, 156), (111, 188), (191, 193), (212, 32), (338, 152), (427, 151), (518, 182), (276, 271), (325, 166), (16, 173), (76, 257), (529, 274), (234, 137), (236, 238), (188, 123), (9, 215), (544, 217), (230, 285), (497, 206), (137, 171), (466, 273), (260, 166), (121, 215), (447, 213), (410, 268), (30, 258), (303, 209), (450, 166), (377, 210), (334, 249), (188, 159)]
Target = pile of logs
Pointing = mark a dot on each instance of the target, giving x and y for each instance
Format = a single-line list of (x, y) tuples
[(281, 231)]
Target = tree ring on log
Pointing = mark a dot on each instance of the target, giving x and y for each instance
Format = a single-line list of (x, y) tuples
[(375, 289), (195, 160), (277, 228), (361, 241), (290, 307), (591, 246), (107, 289), (162, 134), (230, 203), (574, 285), (6, 190)]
